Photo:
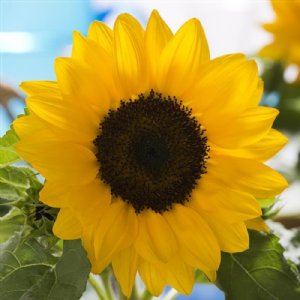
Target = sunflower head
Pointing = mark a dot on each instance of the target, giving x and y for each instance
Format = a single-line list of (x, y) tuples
[(152, 151), (285, 30)]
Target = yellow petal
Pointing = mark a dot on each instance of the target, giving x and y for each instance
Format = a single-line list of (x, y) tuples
[(211, 274), (67, 226), (102, 35), (180, 276), (89, 52), (55, 194), (155, 240), (197, 242), (181, 59), (115, 231), (28, 126), (226, 204), (80, 85), (153, 276), (89, 202), (46, 88), (247, 175), (68, 121), (257, 224), (129, 69), (231, 237), (264, 149), (248, 128), (88, 244), (125, 266), (226, 86), (157, 36), (60, 161)]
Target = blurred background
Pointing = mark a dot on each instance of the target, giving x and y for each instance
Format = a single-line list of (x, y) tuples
[(34, 33)]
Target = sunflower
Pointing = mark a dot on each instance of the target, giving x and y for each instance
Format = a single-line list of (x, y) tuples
[(285, 30), (153, 152)]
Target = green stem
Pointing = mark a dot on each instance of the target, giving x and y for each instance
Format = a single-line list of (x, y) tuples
[(107, 286), (96, 287)]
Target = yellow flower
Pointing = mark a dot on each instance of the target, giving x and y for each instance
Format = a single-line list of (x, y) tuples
[(285, 30), (153, 152)]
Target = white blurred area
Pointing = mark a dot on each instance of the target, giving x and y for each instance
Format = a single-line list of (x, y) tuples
[(230, 25)]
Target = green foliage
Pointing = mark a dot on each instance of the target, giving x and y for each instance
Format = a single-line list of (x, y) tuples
[(266, 203), (13, 221), (289, 106), (260, 273), (287, 93), (22, 261), (272, 76), (8, 153), (67, 280), (29, 271), (15, 184)]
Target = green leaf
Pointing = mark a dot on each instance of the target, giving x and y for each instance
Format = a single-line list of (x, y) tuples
[(8, 154), (20, 187), (13, 185), (16, 183), (29, 271), (13, 221), (260, 273), (288, 119), (265, 203), (67, 280), (22, 262)]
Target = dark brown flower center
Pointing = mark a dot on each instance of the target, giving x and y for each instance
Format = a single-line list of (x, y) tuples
[(151, 152)]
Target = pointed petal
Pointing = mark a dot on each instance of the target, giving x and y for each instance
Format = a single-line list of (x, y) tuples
[(80, 85), (55, 194), (247, 129), (60, 161), (181, 276), (246, 175), (92, 54), (102, 35), (257, 224), (157, 36), (125, 266), (129, 69), (226, 86), (88, 243), (28, 126), (181, 59), (263, 150), (155, 241), (115, 231), (153, 276), (90, 201), (67, 226), (227, 204), (43, 88), (67, 121), (231, 237), (198, 245)]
